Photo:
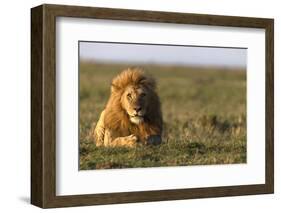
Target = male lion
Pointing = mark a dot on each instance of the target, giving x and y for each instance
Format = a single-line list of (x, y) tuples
[(133, 112)]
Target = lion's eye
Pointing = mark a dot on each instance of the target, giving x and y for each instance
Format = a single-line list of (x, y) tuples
[(143, 95), (129, 95)]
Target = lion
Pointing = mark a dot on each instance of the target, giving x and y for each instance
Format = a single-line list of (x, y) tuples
[(133, 112)]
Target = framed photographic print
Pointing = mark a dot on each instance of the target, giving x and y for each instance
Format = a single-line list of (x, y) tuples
[(137, 106)]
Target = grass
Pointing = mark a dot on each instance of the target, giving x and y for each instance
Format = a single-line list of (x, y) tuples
[(204, 112)]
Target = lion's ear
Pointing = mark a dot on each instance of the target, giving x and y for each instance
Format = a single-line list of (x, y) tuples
[(148, 82), (114, 88)]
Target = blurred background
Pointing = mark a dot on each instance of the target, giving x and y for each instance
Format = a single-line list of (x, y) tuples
[(203, 96), (163, 54)]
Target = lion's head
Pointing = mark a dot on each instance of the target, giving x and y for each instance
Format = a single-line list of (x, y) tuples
[(133, 103)]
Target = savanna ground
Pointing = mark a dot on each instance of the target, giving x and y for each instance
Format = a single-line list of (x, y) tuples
[(204, 112)]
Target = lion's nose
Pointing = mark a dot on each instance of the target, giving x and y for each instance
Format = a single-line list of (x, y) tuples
[(137, 109)]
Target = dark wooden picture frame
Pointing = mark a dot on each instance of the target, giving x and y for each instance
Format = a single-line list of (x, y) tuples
[(43, 105)]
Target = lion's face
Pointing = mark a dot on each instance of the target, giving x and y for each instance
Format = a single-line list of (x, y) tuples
[(135, 101)]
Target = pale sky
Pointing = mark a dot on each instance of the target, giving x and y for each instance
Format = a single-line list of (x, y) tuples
[(163, 54)]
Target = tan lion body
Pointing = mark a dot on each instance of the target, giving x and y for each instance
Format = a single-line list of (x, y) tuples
[(132, 114)]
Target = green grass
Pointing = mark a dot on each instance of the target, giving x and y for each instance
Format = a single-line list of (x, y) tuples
[(204, 112)]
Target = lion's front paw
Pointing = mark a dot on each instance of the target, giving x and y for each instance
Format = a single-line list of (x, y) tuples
[(131, 140), (154, 140)]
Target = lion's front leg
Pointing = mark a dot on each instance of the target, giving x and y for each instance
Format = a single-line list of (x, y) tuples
[(151, 134), (127, 141), (153, 140), (99, 131)]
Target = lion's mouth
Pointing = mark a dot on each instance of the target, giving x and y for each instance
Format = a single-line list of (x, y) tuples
[(137, 116), (136, 119)]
